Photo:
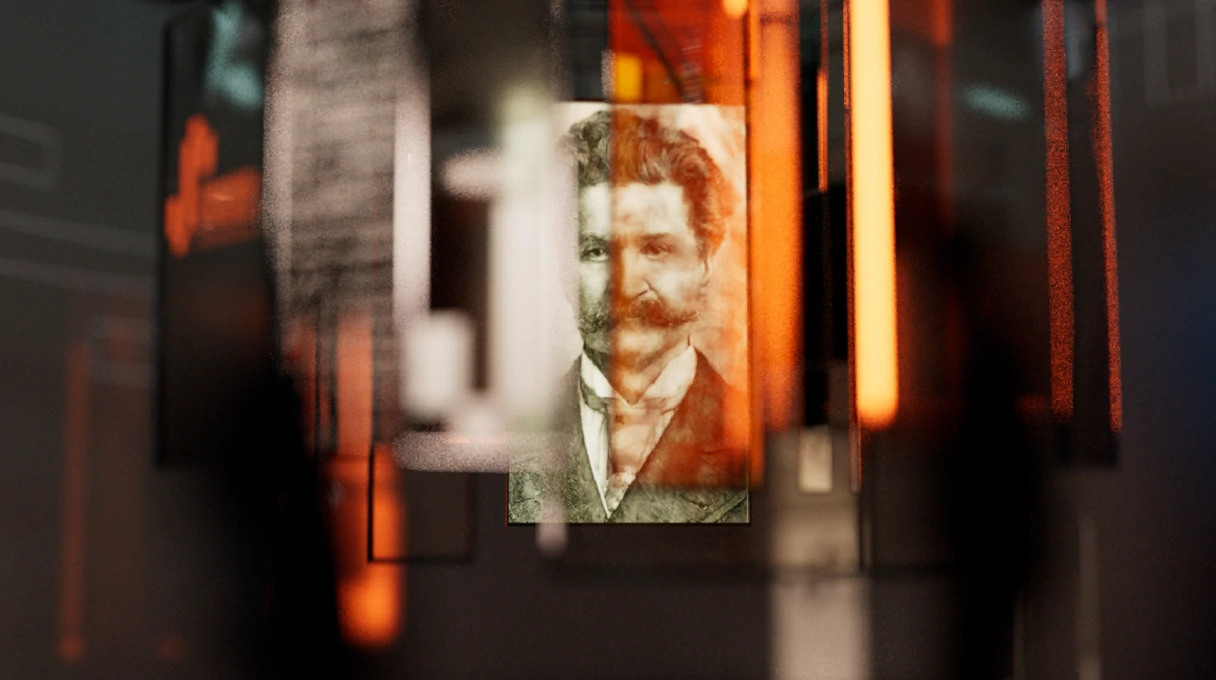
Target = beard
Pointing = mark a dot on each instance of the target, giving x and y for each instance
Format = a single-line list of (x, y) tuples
[(646, 312)]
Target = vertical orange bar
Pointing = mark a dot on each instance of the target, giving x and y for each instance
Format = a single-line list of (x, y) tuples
[(872, 208), (354, 395), (369, 595), (724, 58), (855, 453), (1103, 155), (754, 181), (774, 220), (75, 504), (821, 95), (776, 210), (1059, 225), (388, 540), (943, 38)]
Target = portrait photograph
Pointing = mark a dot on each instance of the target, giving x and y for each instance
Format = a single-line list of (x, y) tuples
[(653, 411)]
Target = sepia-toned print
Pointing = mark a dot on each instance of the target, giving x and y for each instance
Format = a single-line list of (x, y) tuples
[(657, 413)]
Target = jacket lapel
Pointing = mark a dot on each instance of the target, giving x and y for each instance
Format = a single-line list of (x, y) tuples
[(576, 487), (679, 506), (681, 481), (579, 493), (688, 477)]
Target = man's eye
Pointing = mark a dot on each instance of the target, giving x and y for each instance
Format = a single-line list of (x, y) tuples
[(595, 253), (655, 249)]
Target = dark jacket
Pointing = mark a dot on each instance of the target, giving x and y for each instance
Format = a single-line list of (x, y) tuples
[(691, 476)]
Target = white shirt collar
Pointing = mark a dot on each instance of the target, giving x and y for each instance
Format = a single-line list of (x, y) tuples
[(675, 379)]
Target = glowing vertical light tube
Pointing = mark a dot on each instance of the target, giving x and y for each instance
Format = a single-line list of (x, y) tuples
[(821, 95), (370, 596), (943, 38), (872, 209), (776, 210)]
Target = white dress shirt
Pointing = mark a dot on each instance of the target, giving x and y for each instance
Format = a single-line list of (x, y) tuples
[(670, 388)]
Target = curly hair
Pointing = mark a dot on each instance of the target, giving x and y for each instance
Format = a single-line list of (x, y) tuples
[(623, 147)]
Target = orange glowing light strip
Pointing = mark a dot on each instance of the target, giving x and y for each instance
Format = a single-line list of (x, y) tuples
[(354, 397), (821, 87), (872, 207), (821, 95), (777, 234), (1106, 186), (388, 510), (756, 392), (943, 37), (774, 218), (1059, 226), (75, 505), (369, 595)]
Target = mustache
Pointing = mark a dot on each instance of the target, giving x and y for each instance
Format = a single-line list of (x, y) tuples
[(650, 312)]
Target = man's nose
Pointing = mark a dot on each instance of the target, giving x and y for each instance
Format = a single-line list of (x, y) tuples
[(629, 274)]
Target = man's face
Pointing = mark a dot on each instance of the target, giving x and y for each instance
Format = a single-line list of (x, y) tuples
[(640, 272)]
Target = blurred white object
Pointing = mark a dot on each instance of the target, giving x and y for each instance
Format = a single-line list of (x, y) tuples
[(551, 530), (411, 201), (478, 416), (819, 628), (461, 452), (474, 175), (523, 281), (815, 460), (438, 364)]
